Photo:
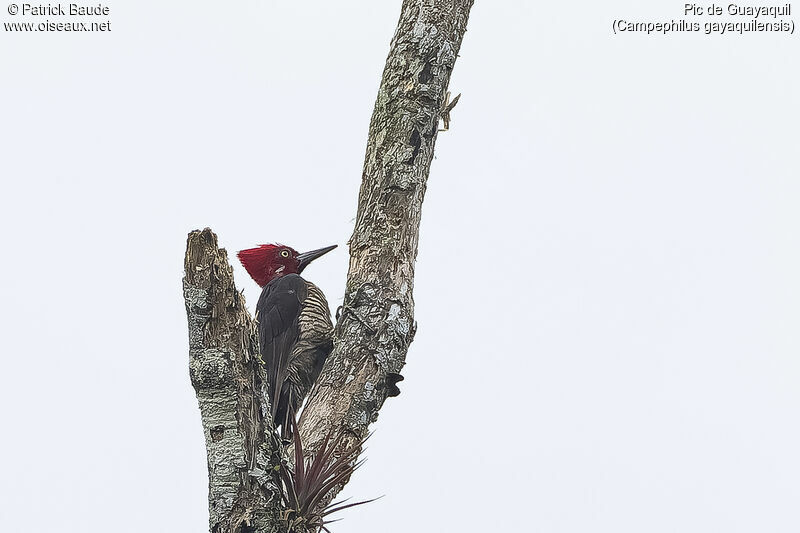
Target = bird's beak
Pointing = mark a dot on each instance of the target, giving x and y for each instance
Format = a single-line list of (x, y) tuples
[(306, 257)]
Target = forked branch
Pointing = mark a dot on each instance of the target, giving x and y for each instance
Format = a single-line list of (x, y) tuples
[(376, 325)]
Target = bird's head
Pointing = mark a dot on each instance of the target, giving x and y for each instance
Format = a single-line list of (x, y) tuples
[(269, 261)]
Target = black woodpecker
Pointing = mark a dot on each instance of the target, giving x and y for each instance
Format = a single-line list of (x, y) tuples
[(294, 325)]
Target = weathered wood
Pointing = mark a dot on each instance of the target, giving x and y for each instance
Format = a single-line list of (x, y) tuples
[(226, 375), (377, 325)]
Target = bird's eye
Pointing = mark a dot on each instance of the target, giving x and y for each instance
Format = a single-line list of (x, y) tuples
[(284, 253)]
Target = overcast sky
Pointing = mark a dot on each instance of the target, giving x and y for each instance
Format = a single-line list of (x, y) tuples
[(607, 285)]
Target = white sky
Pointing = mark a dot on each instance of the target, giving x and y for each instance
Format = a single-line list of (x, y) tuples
[(607, 289)]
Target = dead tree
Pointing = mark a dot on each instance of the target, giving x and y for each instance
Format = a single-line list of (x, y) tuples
[(376, 322)]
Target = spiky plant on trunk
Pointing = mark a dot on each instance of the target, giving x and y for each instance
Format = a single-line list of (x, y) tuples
[(306, 484)]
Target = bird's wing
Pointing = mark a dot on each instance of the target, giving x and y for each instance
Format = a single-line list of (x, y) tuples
[(277, 312)]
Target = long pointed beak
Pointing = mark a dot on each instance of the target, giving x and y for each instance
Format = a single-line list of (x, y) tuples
[(306, 257)]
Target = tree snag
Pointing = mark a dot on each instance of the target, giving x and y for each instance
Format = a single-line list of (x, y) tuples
[(376, 322), (243, 487)]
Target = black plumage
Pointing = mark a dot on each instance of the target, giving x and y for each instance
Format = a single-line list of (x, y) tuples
[(295, 336)]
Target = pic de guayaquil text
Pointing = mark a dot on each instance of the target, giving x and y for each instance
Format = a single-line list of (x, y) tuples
[(735, 9)]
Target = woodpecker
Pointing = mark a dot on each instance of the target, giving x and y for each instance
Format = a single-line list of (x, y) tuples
[(294, 325)]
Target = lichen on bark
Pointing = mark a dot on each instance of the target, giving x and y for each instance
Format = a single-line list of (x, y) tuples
[(377, 325), (243, 488)]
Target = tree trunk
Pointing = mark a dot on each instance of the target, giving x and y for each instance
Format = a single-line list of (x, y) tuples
[(243, 486), (376, 324)]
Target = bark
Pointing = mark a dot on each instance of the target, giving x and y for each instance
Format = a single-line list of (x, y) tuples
[(243, 490), (376, 323)]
